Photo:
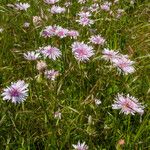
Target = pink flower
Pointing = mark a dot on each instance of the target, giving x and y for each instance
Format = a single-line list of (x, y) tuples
[(57, 9), (16, 93), (106, 6), (94, 7), (128, 105), (84, 14), (51, 52), (84, 18), (80, 146), (51, 74), (51, 1), (85, 21), (41, 66), (73, 34), (31, 55), (97, 39), (81, 51), (22, 6), (61, 32), (57, 115), (124, 64), (49, 31), (109, 55)]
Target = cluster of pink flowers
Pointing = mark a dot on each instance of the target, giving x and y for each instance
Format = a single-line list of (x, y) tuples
[(82, 51), (84, 18), (59, 31), (122, 62)]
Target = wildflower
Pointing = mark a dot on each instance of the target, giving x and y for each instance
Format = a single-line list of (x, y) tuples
[(94, 7), (67, 4), (109, 55), (73, 34), (22, 6), (124, 64), (97, 39), (41, 66), (97, 101), (121, 142), (57, 9), (61, 32), (128, 105), (119, 13), (83, 14), (80, 146), (51, 52), (51, 74), (82, 51), (17, 92), (37, 20), (84, 19), (106, 6), (31, 55), (26, 24), (82, 1), (49, 31), (1, 30), (57, 115), (51, 1)]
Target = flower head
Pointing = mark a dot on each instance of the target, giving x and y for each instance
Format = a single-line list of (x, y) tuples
[(97, 39), (49, 31), (31, 55), (124, 64), (57, 9), (106, 6), (81, 51), (51, 52), (51, 74), (51, 1), (128, 105), (80, 146), (73, 34), (109, 55), (22, 6), (16, 93), (61, 32), (41, 66)]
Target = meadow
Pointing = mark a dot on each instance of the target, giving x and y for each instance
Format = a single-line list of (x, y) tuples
[(75, 74)]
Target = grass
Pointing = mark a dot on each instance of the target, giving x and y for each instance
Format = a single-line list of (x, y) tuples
[(31, 125)]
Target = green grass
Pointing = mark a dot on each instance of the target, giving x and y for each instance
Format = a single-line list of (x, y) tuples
[(31, 125)]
